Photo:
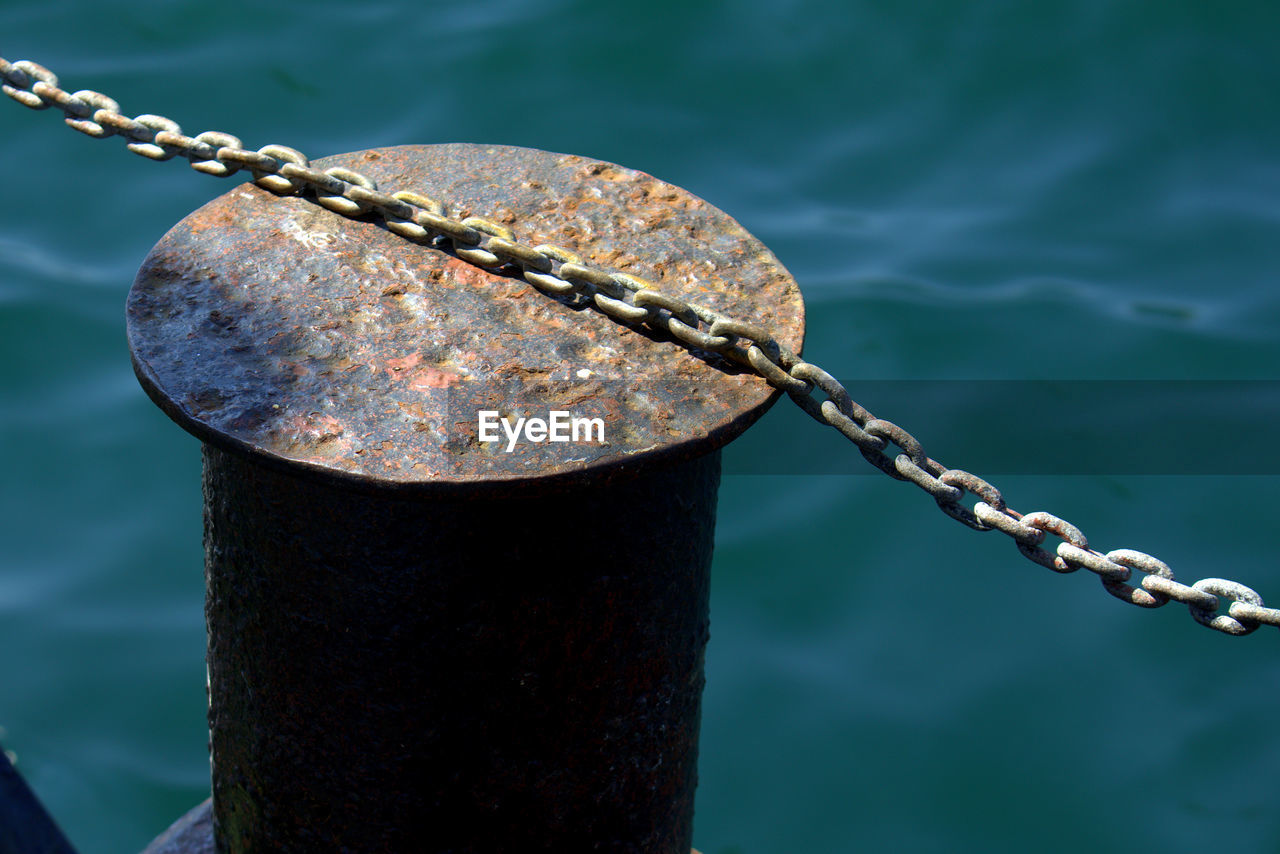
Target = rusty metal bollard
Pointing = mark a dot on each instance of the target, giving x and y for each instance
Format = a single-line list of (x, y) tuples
[(421, 639)]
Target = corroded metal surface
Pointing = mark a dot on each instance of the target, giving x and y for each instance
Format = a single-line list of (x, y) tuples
[(273, 325), (416, 673)]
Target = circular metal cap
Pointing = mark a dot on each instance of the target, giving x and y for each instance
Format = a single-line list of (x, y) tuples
[(273, 326)]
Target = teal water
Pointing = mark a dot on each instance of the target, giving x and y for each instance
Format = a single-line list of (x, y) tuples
[(990, 191)]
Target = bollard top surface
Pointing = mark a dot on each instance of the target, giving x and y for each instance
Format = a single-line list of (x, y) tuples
[(273, 326)]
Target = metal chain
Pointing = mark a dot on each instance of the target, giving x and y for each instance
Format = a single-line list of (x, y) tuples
[(633, 300)]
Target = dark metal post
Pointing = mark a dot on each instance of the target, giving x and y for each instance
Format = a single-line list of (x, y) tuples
[(418, 640), (456, 675)]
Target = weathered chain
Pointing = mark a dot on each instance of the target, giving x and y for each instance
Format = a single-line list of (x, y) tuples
[(633, 300)]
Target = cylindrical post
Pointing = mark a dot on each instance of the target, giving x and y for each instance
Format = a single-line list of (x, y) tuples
[(397, 674), (421, 639)]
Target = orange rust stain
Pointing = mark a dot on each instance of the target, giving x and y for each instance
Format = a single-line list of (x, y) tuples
[(394, 366), (467, 275), (607, 171), (314, 424), (431, 378), (420, 379)]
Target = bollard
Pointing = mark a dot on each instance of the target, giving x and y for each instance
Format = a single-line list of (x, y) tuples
[(421, 640)]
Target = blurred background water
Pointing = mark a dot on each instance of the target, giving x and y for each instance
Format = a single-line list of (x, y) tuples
[(1066, 190)]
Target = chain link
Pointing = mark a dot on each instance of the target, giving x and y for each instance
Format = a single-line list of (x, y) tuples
[(633, 300)]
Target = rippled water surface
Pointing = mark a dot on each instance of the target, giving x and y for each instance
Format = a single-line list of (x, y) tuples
[(1075, 191)]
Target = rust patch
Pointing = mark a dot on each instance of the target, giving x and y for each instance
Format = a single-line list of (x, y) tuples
[(274, 326)]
